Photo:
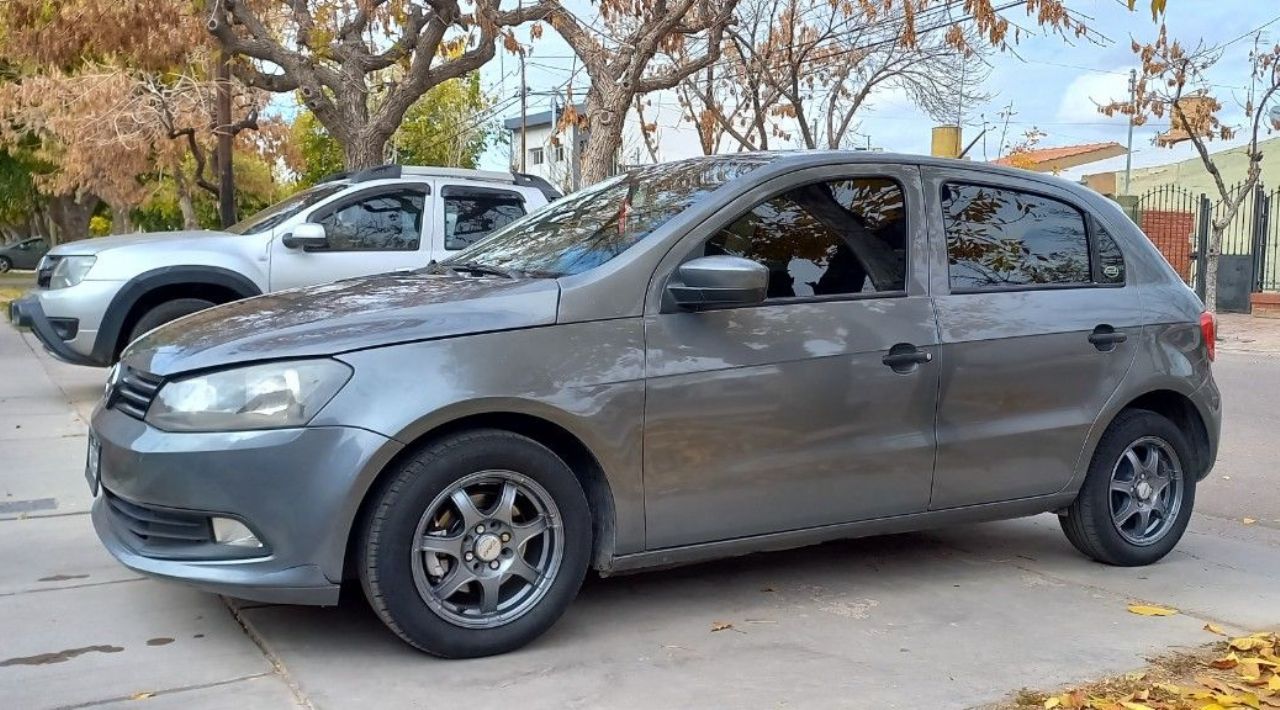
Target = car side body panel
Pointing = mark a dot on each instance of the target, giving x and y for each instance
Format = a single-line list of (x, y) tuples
[(586, 378)]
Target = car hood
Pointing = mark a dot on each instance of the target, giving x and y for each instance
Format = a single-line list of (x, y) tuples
[(346, 315), (151, 239)]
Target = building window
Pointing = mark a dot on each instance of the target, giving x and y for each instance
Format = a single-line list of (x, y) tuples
[(557, 155), (535, 156)]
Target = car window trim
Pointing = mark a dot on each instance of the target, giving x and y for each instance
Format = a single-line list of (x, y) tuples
[(859, 296), (1091, 240), (346, 200)]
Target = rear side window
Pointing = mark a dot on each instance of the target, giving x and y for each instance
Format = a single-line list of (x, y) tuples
[(1000, 238), (1110, 260), (471, 213), (825, 239)]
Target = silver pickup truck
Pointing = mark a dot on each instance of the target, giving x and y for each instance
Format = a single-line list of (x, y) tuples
[(95, 296)]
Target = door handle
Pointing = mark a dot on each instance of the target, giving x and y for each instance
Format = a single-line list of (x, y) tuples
[(1105, 338), (904, 357)]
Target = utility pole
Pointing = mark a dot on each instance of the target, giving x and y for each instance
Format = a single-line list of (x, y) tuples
[(524, 115), (1128, 153), (226, 179)]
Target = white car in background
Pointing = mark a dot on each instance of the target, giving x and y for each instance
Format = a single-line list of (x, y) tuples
[(94, 297)]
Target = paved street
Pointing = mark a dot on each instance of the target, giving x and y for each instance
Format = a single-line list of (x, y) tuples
[(947, 619)]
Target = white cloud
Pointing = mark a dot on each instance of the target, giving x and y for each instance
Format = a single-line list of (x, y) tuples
[(1081, 98)]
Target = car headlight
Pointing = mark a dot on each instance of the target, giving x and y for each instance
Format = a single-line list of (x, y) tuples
[(71, 270), (270, 396)]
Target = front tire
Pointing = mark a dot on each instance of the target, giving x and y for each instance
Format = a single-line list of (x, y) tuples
[(5, 264), (1137, 497), (476, 545), (165, 312)]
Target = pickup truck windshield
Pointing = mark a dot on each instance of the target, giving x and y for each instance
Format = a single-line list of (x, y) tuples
[(592, 226), (286, 208)]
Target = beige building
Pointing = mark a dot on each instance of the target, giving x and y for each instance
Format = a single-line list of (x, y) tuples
[(1191, 175)]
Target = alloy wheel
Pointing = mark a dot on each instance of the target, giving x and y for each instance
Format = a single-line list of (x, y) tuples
[(487, 549), (1146, 490)]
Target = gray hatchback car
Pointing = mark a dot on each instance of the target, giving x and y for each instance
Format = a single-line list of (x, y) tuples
[(686, 361)]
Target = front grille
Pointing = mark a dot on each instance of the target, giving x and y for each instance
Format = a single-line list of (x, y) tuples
[(44, 272), (133, 392), (158, 527)]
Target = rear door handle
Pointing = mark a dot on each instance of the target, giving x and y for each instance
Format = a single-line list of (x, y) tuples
[(1105, 338), (904, 357)]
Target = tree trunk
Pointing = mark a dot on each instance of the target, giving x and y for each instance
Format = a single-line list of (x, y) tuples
[(604, 139), (70, 214), (1211, 268), (120, 221), (364, 151), (185, 203)]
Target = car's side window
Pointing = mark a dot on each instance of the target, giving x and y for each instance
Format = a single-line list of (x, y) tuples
[(829, 238), (472, 213), (1110, 259), (1001, 238), (385, 221)]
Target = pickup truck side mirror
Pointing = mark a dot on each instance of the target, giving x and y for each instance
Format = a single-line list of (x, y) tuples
[(307, 236), (719, 281)]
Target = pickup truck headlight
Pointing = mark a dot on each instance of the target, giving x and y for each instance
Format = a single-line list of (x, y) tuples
[(270, 396), (71, 270)]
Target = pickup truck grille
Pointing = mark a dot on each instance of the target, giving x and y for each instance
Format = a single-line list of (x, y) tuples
[(133, 392)]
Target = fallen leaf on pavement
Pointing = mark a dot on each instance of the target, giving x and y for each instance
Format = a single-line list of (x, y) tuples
[(1248, 521), (1211, 628), (1151, 610), (720, 625), (141, 696)]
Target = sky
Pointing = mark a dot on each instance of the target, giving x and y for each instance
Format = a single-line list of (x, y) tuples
[(1051, 84)]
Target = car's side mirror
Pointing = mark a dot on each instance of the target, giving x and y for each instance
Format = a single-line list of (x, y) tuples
[(719, 281), (307, 236)]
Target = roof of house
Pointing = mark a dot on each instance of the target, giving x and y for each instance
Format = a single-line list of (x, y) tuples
[(1044, 160), (541, 118)]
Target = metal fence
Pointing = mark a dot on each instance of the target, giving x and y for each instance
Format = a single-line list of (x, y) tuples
[(1179, 221)]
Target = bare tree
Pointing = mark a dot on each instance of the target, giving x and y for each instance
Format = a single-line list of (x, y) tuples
[(1173, 82), (620, 60), (805, 68), (360, 64)]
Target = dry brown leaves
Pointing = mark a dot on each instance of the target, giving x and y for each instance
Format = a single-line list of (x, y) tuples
[(1243, 673)]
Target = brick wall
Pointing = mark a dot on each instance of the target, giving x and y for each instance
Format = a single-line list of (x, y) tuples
[(1171, 233)]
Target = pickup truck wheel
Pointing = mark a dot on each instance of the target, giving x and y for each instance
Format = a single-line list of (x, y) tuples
[(476, 545), (1137, 497), (167, 311), (5, 264)]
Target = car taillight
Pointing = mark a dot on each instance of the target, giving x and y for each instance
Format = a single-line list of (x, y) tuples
[(1209, 329)]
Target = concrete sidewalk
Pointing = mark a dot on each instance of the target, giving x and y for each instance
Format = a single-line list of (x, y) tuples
[(76, 628), (948, 619)]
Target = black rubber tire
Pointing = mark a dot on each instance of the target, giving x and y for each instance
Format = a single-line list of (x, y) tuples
[(1087, 522), (383, 549), (5, 265), (165, 312)]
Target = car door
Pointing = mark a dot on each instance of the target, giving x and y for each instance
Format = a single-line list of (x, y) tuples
[(1037, 327), (369, 231), (470, 213), (784, 415), (27, 254)]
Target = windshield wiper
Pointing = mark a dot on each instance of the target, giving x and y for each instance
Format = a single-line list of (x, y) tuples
[(472, 267)]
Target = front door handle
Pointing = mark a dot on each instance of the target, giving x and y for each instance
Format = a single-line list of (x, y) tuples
[(904, 357), (1105, 338)]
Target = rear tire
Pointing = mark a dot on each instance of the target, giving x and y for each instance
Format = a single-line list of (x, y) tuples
[(1137, 497), (5, 264), (165, 312), (448, 554)]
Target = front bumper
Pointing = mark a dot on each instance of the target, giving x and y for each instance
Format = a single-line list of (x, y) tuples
[(298, 489), (28, 312)]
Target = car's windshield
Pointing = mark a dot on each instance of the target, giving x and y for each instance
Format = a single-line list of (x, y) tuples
[(286, 208), (590, 227)]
